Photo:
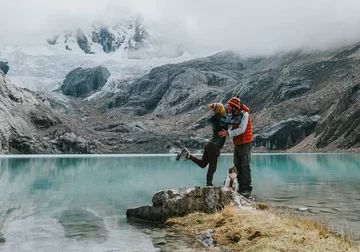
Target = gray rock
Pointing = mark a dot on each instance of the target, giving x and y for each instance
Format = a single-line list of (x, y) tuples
[(206, 238), (83, 42), (194, 142), (294, 87), (61, 106), (4, 67), (302, 209), (53, 40), (82, 82), (70, 143), (158, 242), (43, 120), (109, 41), (179, 202), (23, 144)]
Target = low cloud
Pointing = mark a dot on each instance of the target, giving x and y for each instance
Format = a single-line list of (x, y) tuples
[(251, 27)]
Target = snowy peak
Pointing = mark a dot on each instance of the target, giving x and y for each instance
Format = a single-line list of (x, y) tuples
[(130, 37)]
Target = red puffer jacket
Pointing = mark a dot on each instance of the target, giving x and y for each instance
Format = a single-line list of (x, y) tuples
[(245, 137)]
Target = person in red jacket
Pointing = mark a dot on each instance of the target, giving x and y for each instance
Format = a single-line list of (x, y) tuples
[(241, 132)]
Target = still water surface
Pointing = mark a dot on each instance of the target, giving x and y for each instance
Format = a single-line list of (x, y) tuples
[(78, 203)]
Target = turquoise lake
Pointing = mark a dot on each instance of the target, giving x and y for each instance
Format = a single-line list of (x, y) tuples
[(78, 203)]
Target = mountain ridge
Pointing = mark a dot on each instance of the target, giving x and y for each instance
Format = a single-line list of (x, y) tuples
[(299, 102)]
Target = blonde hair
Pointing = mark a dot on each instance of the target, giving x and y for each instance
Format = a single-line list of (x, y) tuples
[(218, 108)]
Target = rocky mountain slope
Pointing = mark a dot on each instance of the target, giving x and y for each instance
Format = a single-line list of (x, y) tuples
[(29, 126), (299, 101)]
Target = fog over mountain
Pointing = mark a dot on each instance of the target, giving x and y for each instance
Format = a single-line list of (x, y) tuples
[(251, 27)]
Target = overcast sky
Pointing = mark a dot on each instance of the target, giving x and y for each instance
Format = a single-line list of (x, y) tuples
[(252, 26)]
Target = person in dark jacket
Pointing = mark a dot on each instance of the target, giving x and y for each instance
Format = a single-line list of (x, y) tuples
[(212, 148)]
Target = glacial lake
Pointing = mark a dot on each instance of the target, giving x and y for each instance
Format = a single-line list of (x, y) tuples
[(78, 202)]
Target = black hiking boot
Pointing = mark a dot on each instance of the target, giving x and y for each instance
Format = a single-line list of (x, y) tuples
[(183, 153)]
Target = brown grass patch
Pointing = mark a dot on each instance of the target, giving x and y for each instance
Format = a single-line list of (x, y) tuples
[(265, 230)]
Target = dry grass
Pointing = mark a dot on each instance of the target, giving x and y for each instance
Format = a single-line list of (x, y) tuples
[(262, 229)]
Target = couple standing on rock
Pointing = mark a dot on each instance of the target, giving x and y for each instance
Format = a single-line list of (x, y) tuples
[(236, 124)]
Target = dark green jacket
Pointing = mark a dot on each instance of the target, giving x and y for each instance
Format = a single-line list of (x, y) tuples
[(216, 127)]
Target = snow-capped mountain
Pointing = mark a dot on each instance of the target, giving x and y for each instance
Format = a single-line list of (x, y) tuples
[(130, 37), (123, 42), (44, 67)]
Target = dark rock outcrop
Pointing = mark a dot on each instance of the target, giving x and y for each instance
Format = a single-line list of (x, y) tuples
[(28, 145), (108, 40), (194, 142), (70, 143), (83, 42), (286, 134), (2, 238), (293, 87), (4, 67), (180, 202), (82, 82), (43, 120)]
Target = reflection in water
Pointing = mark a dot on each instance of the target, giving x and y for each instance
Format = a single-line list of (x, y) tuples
[(39, 192), (325, 184), (80, 224)]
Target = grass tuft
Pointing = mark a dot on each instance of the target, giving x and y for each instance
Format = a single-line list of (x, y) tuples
[(262, 229)]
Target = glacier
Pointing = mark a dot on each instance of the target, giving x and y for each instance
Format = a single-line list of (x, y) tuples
[(43, 68)]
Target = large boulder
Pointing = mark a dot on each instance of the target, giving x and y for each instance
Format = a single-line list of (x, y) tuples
[(182, 201), (82, 82)]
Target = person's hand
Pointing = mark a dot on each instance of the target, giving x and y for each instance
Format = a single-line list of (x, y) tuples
[(222, 133)]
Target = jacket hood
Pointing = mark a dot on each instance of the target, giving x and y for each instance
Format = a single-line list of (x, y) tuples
[(244, 108)]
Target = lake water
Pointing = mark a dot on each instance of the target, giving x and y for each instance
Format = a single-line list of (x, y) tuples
[(78, 203)]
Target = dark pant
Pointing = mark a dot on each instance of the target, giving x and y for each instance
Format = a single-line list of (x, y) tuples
[(242, 159), (210, 156)]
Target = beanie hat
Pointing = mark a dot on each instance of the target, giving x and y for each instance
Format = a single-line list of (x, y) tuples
[(217, 108), (235, 101)]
